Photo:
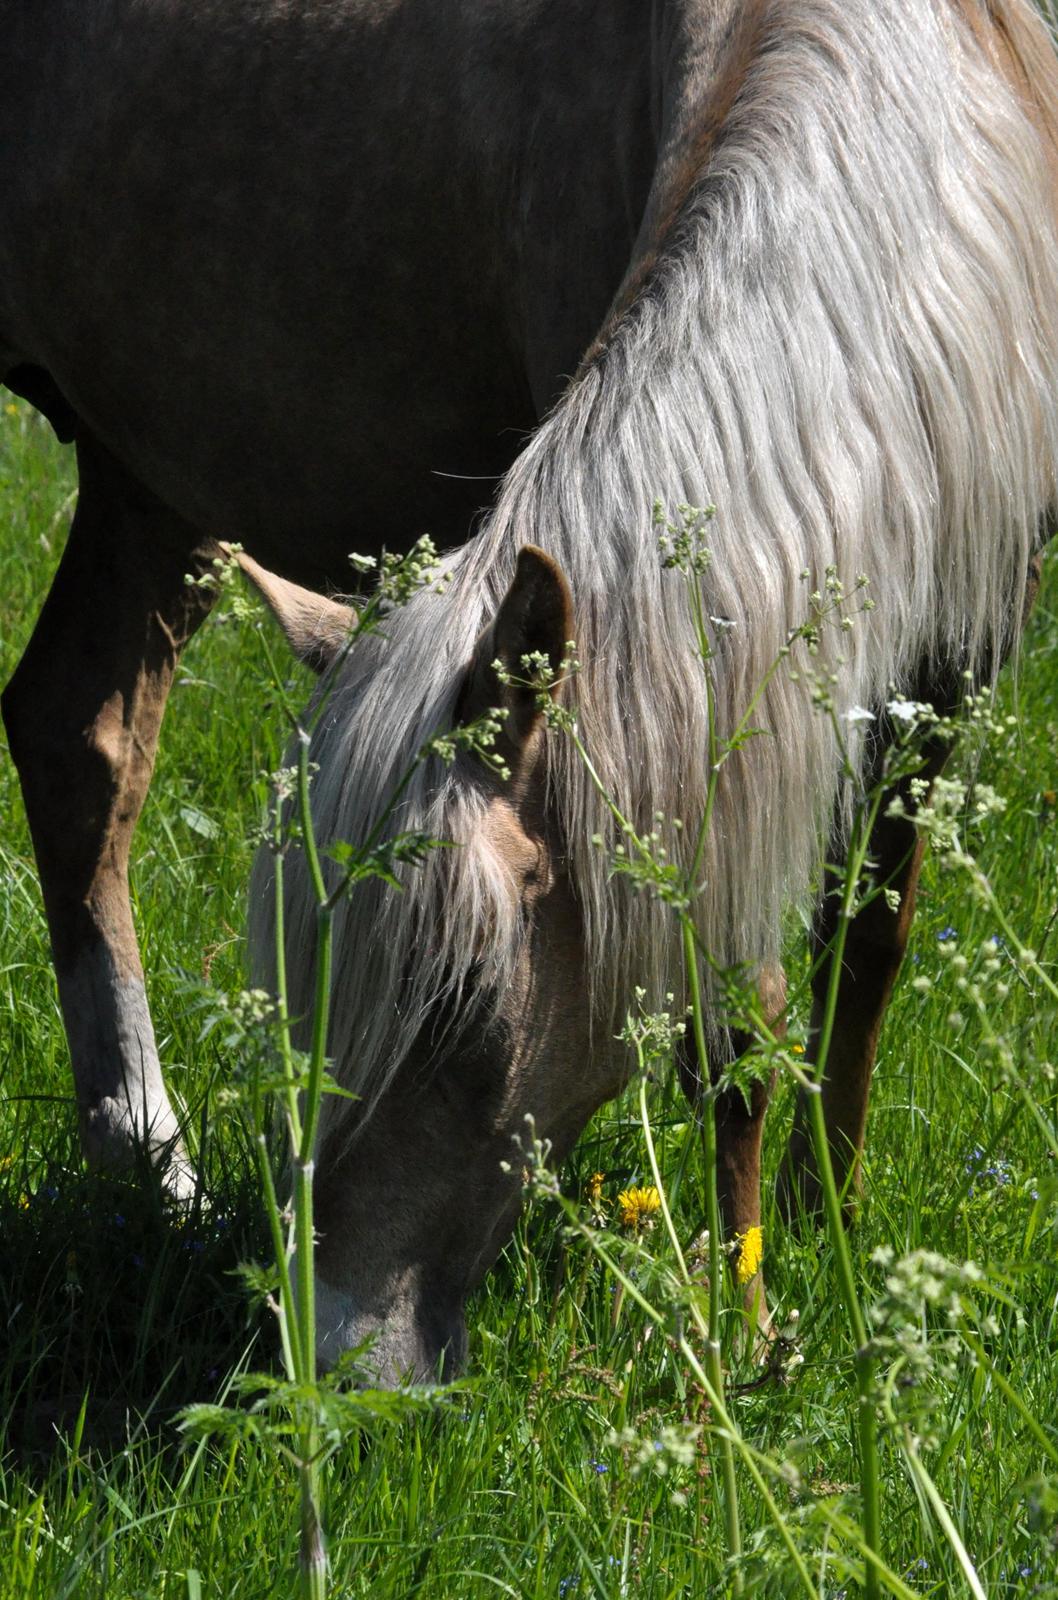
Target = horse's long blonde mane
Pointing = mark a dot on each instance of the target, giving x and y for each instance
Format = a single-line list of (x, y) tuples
[(848, 344)]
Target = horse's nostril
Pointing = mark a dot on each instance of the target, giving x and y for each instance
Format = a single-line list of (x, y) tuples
[(443, 1341)]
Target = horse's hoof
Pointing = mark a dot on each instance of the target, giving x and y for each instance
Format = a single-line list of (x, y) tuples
[(179, 1179), (111, 1144)]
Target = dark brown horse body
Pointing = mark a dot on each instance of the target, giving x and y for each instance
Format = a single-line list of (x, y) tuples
[(299, 275), (311, 272), (304, 274)]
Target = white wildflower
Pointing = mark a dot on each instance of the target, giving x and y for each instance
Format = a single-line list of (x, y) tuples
[(858, 714)]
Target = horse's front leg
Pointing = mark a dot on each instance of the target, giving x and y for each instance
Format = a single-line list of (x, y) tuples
[(82, 714), (739, 1135), (875, 944)]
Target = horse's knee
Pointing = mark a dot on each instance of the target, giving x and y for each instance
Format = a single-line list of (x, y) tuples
[(733, 1043), (739, 1115)]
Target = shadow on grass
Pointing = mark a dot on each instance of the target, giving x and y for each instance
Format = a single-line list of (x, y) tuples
[(113, 1300)]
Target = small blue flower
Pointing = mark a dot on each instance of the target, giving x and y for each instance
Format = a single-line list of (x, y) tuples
[(598, 1466), (566, 1584), (947, 933), (999, 1173)]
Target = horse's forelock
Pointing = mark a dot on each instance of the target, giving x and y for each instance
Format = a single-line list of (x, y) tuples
[(410, 960)]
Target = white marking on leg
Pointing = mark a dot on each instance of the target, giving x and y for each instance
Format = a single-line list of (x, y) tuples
[(120, 1091)]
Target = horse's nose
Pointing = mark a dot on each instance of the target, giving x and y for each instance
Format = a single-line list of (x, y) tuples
[(443, 1342), (420, 1339)]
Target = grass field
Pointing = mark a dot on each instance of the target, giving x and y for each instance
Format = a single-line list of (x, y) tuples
[(115, 1313)]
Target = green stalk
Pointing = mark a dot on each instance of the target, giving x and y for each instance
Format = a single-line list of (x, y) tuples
[(943, 1515), (289, 1333), (312, 1554), (707, 1124), (288, 1325), (305, 1164), (709, 1330), (655, 1173), (870, 1477)]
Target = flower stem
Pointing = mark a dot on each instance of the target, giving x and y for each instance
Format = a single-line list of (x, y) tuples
[(707, 1124), (866, 1428)]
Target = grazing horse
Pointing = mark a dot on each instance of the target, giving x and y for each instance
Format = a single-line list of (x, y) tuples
[(305, 276)]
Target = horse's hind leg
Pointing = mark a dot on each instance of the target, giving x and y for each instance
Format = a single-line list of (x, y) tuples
[(82, 714)]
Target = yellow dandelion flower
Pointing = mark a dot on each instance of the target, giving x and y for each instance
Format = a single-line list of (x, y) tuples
[(797, 1049), (750, 1254), (593, 1188), (637, 1207)]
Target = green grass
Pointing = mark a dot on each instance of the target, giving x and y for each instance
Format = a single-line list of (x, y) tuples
[(115, 1314)]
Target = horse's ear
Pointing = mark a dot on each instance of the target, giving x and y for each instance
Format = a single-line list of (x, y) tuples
[(316, 628), (535, 617)]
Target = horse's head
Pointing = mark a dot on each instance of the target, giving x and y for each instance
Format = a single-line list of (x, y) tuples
[(413, 1207)]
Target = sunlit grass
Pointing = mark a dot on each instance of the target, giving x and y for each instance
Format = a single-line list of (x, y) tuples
[(113, 1317)]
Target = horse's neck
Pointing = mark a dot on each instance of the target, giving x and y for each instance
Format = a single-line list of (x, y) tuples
[(701, 51)]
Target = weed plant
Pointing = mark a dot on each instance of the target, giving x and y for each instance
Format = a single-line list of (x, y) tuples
[(592, 1450)]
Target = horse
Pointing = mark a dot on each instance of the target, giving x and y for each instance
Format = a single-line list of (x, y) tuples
[(316, 277)]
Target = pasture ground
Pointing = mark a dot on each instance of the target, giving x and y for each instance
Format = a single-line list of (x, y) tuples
[(114, 1314)]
